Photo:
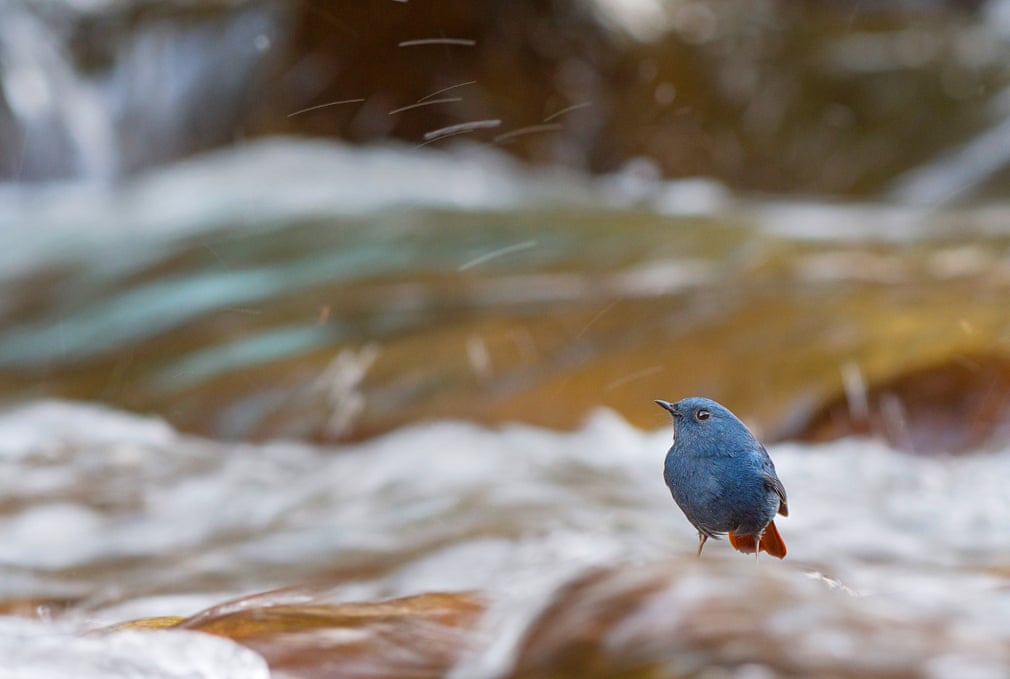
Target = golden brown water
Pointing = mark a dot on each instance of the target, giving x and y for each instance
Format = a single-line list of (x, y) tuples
[(356, 326)]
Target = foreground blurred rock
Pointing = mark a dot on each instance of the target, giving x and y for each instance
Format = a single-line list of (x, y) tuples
[(669, 618), (688, 620), (420, 636)]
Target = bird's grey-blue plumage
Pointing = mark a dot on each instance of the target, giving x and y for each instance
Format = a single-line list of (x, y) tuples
[(719, 474)]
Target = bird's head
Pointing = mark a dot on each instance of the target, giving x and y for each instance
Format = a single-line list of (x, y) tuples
[(698, 416)]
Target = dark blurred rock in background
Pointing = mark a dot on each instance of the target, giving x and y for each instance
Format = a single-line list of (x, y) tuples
[(838, 98), (960, 404)]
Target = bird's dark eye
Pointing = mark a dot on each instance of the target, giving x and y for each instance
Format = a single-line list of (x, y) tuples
[(702, 414)]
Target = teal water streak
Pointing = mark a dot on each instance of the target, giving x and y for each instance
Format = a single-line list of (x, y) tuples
[(147, 310), (275, 344)]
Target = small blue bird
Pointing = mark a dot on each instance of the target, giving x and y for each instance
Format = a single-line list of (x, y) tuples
[(722, 478)]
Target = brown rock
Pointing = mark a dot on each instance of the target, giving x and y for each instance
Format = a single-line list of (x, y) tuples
[(958, 404), (689, 618), (417, 636)]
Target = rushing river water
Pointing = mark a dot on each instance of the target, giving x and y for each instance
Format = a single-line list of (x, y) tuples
[(897, 564), (310, 337)]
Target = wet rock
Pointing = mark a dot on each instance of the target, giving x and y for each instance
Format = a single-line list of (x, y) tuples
[(692, 619), (959, 404), (679, 617), (418, 636)]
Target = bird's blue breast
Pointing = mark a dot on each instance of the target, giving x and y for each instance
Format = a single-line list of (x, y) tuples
[(720, 493)]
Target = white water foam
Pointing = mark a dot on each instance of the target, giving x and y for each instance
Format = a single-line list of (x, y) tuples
[(34, 650), (450, 506)]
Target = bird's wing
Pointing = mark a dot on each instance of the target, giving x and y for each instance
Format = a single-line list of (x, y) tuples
[(773, 483)]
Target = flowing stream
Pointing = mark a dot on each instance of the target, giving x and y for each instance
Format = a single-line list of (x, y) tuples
[(128, 518), (374, 281)]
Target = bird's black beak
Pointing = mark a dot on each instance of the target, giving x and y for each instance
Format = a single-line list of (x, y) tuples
[(668, 407)]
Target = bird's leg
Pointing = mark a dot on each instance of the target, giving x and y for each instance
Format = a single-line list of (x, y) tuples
[(701, 542)]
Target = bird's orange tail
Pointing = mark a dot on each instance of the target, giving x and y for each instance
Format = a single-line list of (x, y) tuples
[(771, 542)]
